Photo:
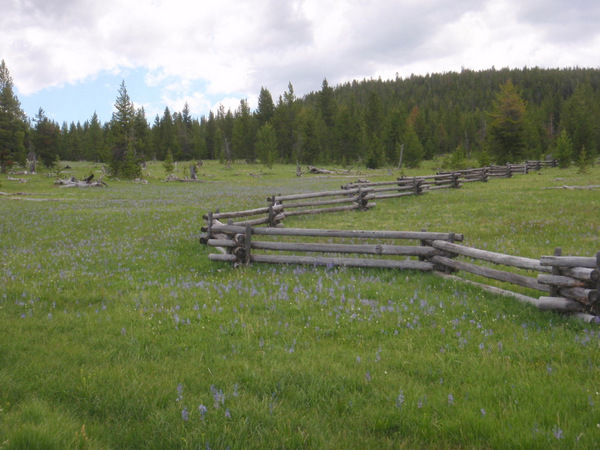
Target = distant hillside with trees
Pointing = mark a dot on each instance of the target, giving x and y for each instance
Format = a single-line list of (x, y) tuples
[(493, 115)]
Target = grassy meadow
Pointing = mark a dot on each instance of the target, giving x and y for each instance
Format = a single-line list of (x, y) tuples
[(116, 331)]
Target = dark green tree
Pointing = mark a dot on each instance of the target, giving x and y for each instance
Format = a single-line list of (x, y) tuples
[(12, 123), (580, 119), (507, 128), (286, 124), (124, 160), (95, 147), (266, 107), (45, 138), (266, 145), (564, 149), (244, 133)]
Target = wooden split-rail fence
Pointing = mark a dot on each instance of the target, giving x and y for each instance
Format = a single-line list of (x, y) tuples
[(566, 283), (361, 195)]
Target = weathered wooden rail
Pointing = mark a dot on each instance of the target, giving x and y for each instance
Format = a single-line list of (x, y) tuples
[(361, 195), (566, 283)]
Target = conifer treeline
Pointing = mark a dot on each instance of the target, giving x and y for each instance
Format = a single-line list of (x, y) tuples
[(508, 114)]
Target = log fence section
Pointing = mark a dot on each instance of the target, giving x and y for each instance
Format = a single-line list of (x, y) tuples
[(566, 283), (361, 195), (240, 243)]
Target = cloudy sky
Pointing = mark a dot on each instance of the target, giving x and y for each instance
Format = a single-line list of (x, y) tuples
[(70, 56)]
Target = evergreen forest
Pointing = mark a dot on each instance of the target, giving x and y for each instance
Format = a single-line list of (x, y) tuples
[(493, 116)]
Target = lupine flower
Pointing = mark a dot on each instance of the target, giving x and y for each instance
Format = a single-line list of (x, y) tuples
[(185, 415), (450, 399), (202, 410), (227, 413), (482, 412), (400, 400), (368, 376), (557, 432), (179, 392)]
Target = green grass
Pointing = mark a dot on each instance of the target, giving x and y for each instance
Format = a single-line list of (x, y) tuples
[(115, 327)]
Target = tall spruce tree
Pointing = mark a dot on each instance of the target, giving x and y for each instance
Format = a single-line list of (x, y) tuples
[(45, 138), (124, 159), (507, 128), (12, 123), (266, 107)]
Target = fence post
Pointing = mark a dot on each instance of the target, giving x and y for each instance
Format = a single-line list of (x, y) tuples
[(209, 225), (555, 271), (248, 245), (455, 183)]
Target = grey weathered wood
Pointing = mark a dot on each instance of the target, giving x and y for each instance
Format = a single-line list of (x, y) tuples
[(559, 280), (351, 234), (282, 198), (568, 261), (226, 258), (221, 243), (261, 221), (348, 262), (322, 210), (587, 296), (365, 249), (382, 196), (248, 244), (249, 212), (558, 304), (581, 273), (494, 274), (586, 317), (335, 201), (496, 258), (492, 289)]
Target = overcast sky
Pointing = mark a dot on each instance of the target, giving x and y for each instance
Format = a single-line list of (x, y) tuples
[(70, 56)]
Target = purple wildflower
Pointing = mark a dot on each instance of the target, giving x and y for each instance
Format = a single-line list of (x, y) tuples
[(557, 432), (179, 392), (185, 415), (202, 410), (400, 400), (368, 376), (450, 399), (227, 414)]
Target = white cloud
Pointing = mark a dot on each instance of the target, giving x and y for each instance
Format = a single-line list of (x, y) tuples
[(230, 48)]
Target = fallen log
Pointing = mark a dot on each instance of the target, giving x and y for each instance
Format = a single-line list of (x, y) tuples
[(313, 169)]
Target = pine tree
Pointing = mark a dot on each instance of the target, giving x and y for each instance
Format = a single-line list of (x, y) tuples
[(124, 158), (266, 107), (564, 149), (45, 139), (507, 131), (12, 122), (266, 145), (244, 133), (168, 163)]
